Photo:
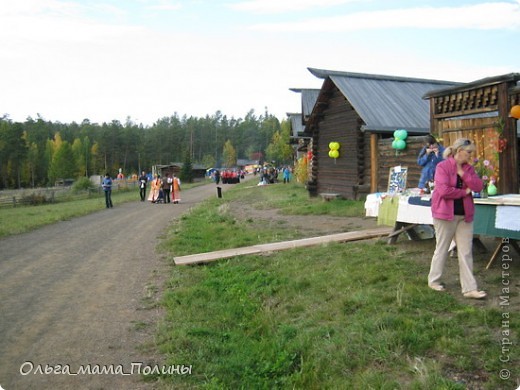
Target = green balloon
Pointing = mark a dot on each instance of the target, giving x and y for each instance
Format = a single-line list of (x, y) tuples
[(401, 134), (492, 189), (400, 144)]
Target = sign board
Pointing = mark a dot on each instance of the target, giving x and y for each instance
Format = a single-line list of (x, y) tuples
[(397, 179)]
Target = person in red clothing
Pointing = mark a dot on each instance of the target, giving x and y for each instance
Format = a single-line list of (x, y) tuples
[(453, 211)]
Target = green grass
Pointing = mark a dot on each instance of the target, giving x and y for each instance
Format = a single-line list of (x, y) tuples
[(23, 219), (293, 199), (338, 316)]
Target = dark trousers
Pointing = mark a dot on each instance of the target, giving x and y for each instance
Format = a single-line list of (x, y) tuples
[(142, 193), (108, 198), (166, 195)]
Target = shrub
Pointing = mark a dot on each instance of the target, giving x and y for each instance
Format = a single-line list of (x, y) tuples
[(34, 199), (82, 184)]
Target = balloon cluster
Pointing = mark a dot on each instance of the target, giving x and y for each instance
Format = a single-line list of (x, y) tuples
[(515, 112), (334, 149), (399, 142)]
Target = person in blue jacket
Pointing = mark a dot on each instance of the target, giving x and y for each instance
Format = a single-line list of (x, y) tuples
[(107, 187), (429, 156)]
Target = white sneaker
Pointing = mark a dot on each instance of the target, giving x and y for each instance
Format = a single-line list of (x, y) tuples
[(437, 287), (475, 294)]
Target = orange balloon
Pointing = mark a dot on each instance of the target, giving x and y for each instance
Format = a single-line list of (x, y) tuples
[(515, 111)]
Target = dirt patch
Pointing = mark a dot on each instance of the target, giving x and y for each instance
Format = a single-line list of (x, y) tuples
[(307, 225), (500, 283)]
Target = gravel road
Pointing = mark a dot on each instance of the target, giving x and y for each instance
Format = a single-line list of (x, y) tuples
[(77, 293)]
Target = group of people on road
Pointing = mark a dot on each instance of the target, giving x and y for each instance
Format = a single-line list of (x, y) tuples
[(167, 190)]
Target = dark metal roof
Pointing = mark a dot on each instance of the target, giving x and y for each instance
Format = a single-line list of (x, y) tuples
[(386, 103), (296, 124), (309, 97)]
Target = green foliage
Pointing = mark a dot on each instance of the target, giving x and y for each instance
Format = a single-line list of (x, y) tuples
[(13, 152), (279, 150), (63, 163), (229, 155), (186, 174), (209, 161), (82, 184), (98, 148)]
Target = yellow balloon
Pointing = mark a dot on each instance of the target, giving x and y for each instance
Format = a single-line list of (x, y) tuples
[(334, 154), (334, 145), (330, 153)]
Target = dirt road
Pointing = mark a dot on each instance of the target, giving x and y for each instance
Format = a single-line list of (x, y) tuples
[(78, 294)]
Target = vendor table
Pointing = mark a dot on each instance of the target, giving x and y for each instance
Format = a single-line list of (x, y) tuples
[(404, 213), (497, 216)]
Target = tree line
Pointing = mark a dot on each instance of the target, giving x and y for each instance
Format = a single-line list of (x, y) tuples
[(37, 152)]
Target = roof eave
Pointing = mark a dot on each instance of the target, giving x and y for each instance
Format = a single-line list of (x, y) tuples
[(487, 81), (323, 74)]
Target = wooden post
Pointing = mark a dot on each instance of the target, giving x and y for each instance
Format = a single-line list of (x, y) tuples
[(374, 162), (508, 159)]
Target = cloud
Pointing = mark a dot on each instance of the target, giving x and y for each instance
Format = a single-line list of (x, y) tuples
[(280, 6), (485, 16), (47, 21), (164, 5)]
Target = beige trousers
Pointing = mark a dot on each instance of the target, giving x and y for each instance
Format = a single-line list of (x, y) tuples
[(462, 233)]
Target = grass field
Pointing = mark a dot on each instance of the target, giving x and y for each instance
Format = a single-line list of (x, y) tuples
[(21, 219), (340, 316)]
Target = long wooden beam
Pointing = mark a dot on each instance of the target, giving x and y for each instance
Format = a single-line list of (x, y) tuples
[(278, 246)]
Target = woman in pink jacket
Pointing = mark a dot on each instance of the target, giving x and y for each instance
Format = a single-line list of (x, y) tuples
[(453, 211)]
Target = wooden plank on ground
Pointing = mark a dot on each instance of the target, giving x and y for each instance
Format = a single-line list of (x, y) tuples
[(283, 245)]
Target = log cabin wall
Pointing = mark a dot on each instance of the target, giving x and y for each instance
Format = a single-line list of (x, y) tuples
[(491, 97), (341, 124), (514, 99), (482, 131), (388, 158)]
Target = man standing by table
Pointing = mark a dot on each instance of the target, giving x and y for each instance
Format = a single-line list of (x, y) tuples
[(429, 156)]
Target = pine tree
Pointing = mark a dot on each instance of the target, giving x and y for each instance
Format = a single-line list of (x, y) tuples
[(186, 174)]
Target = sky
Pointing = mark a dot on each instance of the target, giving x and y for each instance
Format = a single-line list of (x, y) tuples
[(144, 60)]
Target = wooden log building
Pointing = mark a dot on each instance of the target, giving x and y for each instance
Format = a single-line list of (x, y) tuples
[(480, 111), (361, 112)]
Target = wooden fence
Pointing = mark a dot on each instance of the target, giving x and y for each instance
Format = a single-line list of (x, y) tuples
[(38, 196)]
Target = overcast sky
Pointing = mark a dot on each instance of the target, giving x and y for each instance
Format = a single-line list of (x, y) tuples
[(104, 60)]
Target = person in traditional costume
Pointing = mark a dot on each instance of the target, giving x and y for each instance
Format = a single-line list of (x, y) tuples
[(176, 189), (155, 187)]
